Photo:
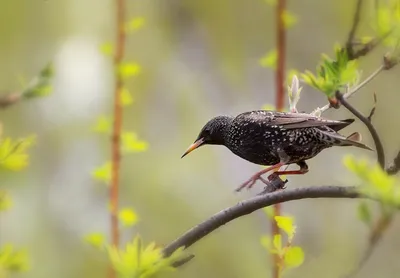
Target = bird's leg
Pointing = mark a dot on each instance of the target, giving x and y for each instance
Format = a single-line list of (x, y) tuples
[(249, 183), (303, 169)]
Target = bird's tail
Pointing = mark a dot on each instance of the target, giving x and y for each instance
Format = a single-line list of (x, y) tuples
[(354, 139)]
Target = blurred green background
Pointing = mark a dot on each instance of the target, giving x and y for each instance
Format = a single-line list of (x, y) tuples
[(199, 59)]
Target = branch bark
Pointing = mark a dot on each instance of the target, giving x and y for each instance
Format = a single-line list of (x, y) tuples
[(248, 206)]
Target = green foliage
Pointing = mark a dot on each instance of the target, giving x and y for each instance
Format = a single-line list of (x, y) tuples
[(134, 260), (132, 144), (137, 261), (127, 70), (13, 260), (128, 217), (387, 20), (289, 256), (40, 85), (333, 74), (13, 154), (269, 60), (107, 48), (134, 24), (103, 173), (5, 201), (376, 182), (289, 19), (364, 213), (126, 97), (96, 240), (103, 125)]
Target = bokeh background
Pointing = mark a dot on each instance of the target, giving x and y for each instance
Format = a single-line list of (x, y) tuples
[(199, 59)]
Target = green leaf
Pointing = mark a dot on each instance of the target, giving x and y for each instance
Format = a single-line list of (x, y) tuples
[(12, 260), (294, 257), (135, 24), (376, 182), (286, 224), (103, 125), (127, 70), (289, 19), (13, 155), (271, 107), (128, 217), (277, 243), (131, 143), (269, 59), (126, 98), (107, 49), (5, 201), (364, 213), (97, 240), (137, 261), (103, 173)]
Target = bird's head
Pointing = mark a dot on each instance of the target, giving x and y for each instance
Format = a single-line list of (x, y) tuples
[(213, 133)]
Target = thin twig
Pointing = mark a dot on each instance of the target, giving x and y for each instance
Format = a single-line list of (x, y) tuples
[(352, 33), (248, 206), (378, 143), (280, 102), (117, 127)]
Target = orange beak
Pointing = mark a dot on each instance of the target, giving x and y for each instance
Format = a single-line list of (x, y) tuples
[(194, 146)]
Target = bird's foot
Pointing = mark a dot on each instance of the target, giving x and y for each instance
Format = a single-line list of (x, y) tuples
[(273, 184), (250, 182)]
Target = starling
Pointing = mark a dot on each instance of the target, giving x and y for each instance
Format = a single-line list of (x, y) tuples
[(275, 139)]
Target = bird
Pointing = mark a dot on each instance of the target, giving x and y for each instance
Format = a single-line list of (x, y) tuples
[(275, 139)]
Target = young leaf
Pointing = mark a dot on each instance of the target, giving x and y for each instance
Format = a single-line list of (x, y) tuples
[(286, 224), (126, 97), (13, 155), (97, 240), (13, 260), (103, 125), (364, 213), (268, 106), (289, 19), (5, 201), (135, 24), (269, 211), (131, 143), (127, 70), (294, 257), (277, 243), (128, 217), (103, 173), (107, 49), (269, 59)]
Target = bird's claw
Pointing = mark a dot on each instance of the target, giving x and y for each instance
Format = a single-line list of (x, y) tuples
[(273, 183), (249, 183)]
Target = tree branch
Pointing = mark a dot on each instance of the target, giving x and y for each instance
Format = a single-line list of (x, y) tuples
[(378, 143), (248, 206)]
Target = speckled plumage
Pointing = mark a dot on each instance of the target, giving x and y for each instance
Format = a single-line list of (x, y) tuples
[(269, 137)]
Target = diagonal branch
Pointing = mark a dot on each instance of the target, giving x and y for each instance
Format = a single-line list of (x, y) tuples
[(352, 33), (248, 206), (378, 143)]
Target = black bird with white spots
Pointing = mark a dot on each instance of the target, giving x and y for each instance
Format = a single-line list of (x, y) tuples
[(275, 139)]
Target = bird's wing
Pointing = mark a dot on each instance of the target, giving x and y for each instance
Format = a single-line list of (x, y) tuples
[(292, 120)]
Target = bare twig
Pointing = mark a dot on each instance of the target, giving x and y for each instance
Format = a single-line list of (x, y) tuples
[(372, 112), (395, 167), (117, 127), (38, 86), (248, 206), (352, 33), (280, 102), (378, 143)]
